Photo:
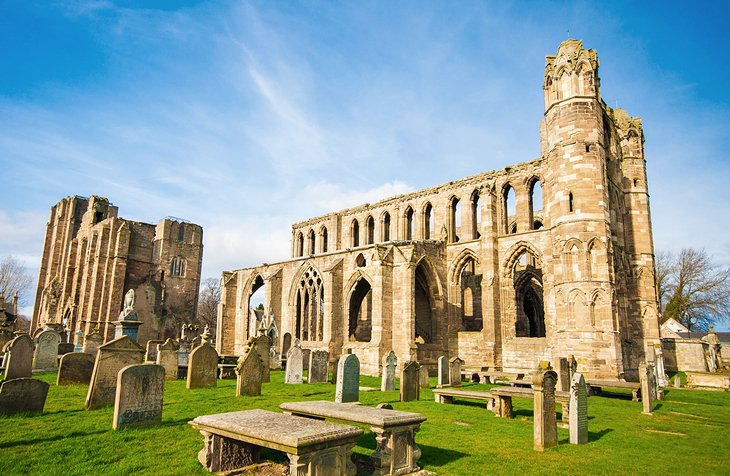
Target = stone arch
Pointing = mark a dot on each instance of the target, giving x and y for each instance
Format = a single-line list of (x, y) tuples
[(307, 301), (476, 214), (428, 219), (576, 307), (355, 233), (599, 308), (385, 232), (369, 230), (312, 241), (530, 183), (323, 239), (573, 257), (408, 223), (465, 278), (299, 244), (596, 259), (458, 263), (427, 300), (516, 252), (505, 205), (454, 218), (359, 308)]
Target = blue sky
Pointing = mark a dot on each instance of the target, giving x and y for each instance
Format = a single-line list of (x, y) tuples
[(247, 116)]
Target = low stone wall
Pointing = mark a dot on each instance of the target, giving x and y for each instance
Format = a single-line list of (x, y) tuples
[(707, 379), (684, 355)]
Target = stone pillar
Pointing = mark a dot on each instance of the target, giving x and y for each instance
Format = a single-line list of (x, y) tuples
[(645, 372), (545, 423), (578, 419)]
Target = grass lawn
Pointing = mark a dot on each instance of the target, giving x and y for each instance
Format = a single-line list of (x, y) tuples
[(689, 433)]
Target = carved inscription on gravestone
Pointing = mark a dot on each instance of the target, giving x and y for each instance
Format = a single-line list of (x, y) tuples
[(578, 419), (203, 367), (140, 390), (110, 359), (545, 423), (46, 350), (318, 370), (348, 379)]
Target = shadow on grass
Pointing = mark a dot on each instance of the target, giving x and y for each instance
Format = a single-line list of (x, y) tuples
[(470, 403), (34, 441), (609, 394), (597, 435), (435, 456)]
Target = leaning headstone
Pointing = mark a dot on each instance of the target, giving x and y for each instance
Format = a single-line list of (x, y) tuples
[(18, 359), (423, 377), (138, 402), (455, 371), (564, 374), (318, 370), (677, 382), (410, 388), (110, 359), (263, 347), (294, 364), (389, 363), (202, 367), (249, 372), (45, 356), (645, 372), (92, 342), (167, 357), (151, 353), (545, 422), (348, 381), (578, 419), (443, 369), (75, 369), (22, 395)]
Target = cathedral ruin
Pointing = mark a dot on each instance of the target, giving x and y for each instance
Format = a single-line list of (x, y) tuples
[(91, 258), (540, 260)]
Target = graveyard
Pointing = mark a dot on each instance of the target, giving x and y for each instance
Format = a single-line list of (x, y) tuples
[(687, 432)]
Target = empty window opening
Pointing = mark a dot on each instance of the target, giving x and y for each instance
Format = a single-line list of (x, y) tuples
[(455, 219), (181, 232), (588, 147), (370, 224), (530, 317), (536, 203), (324, 239), (427, 222), (537, 224), (312, 242), (310, 307), (361, 312), (471, 297), (386, 227), (355, 233), (424, 318), (570, 202), (300, 244), (409, 224), (98, 216), (177, 268), (256, 306), (360, 261), (476, 215), (509, 209)]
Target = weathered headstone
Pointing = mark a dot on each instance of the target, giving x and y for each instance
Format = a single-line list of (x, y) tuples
[(545, 422), (22, 395), (78, 347), (645, 376), (677, 382), (305, 358), (18, 360), (389, 363), (348, 380), (263, 347), (318, 370), (410, 385), (110, 359), (138, 402), (335, 365), (167, 357), (294, 364), (183, 356), (65, 348), (564, 374), (443, 369), (455, 371), (76, 368), (202, 367), (45, 356), (249, 372), (92, 342), (662, 379), (151, 350), (423, 377), (578, 418)]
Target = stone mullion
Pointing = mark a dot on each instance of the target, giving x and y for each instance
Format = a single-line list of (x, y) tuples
[(491, 302)]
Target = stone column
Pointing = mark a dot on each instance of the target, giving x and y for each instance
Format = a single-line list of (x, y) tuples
[(545, 424)]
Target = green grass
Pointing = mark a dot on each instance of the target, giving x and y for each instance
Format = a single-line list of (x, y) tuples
[(688, 433)]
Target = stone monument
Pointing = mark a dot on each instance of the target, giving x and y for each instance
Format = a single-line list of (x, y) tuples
[(443, 369), (410, 388), (388, 380), (167, 357), (45, 356), (249, 372), (294, 364), (75, 369), (93, 341), (348, 379), (110, 359), (455, 371), (423, 377), (151, 352), (18, 360), (202, 367), (645, 375), (22, 395), (545, 422), (318, 366), (128, 323), (140, 390), (578, 419)]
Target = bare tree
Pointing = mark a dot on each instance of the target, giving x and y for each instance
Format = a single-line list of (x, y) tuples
[(698, 290), (14, 278), (665, 266), (210, 296)]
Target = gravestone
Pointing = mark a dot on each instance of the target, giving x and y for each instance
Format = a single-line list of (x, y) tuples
[(578, 418), (110, 359), (45, 356), (78, 347), (183, 356), (151, 353), (305, 358), (18, 359), (348, 379), (202, 367), (335, 364), (410, 385), (138, 402), (443, 369), (572, 365), (318, 370), (388, 380), (65, 348), (263, 347), (22, 395), (249, 372), (76, 368), (662, 379), (294, 364), (92, 342), (167, 357), (677, 382), (565, 375), (423, 377), (545, 424), (455, 371), (645, 376)]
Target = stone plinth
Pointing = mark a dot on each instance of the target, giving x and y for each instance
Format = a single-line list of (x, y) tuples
[(140, 390)]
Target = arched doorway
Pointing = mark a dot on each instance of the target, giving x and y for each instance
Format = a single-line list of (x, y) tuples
[(360, 312)]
